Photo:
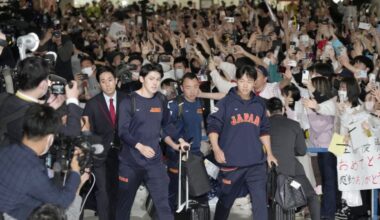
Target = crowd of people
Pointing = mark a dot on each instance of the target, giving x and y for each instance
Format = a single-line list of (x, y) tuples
[(246, 86)]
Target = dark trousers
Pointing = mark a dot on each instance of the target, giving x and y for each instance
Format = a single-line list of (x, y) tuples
[(173, 188), (106, 173), (327, 165), (255, 179), (112, 175), (312, 198), (156, 180)]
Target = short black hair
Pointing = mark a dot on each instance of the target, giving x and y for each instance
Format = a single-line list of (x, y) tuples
[(190, 76), (104, 69), (147, 68), (87, 58), (366, 61), (48, 212), (274, 105), (39, 121), (167, 82), (243, 61), (135, 56), (182, 60), (295, 92), (31, 72), (324, 69), (248, 70)]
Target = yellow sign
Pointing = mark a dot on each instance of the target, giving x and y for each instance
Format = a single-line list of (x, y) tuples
[(337, 145)]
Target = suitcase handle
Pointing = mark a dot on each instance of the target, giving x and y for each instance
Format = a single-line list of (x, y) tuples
[(180, 205)]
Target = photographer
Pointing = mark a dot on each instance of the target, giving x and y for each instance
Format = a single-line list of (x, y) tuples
[(25, 185), (135, 61), (55, 41), (87, 78), (34, 83)]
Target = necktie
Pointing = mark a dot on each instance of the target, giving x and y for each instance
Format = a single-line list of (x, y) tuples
[(112, 112)]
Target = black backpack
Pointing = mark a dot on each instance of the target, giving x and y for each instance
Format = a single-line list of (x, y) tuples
[(4, 121)]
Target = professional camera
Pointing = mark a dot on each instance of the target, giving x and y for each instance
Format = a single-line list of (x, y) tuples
[(63, 149), (58, 84), (124, 72)]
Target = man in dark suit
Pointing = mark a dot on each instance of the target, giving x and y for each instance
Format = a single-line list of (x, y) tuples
[(33, 80), (102, 112), (288, 141)]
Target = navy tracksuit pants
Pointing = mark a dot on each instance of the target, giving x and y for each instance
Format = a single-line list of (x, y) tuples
[(254, 178), (156, 180)]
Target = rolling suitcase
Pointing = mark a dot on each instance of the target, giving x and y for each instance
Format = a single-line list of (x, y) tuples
[(189, 210), (277, 213)]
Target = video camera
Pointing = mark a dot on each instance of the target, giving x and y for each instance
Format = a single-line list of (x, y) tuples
[(61, 153), (124, 72)]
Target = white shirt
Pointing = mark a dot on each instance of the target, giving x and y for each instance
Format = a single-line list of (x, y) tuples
[(271, 90), (107, 98)]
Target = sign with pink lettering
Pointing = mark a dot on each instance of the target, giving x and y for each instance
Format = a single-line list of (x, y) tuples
[(359, 169)]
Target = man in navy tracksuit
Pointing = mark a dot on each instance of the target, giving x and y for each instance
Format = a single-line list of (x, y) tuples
[(186, 112), (238, 132), (141, 117)]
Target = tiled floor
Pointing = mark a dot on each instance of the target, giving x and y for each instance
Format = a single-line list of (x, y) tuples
[(139, 213)]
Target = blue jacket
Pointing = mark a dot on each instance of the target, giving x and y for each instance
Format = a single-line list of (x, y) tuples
[(240, 124), (142, 126), (25, 185), (188, 126)]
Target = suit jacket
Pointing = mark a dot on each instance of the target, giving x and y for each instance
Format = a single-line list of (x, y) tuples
[(15, 131), (100, 120), (287, 141)]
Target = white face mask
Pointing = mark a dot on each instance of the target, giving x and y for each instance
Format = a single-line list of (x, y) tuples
[(49, 143), (369, 105), (164, 92), (179, 73), (135, 75), (342, 95), (88, 71)]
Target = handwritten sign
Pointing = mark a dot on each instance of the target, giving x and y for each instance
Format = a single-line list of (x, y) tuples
[(359, 169)]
